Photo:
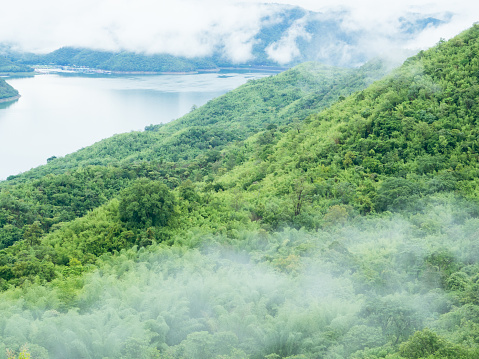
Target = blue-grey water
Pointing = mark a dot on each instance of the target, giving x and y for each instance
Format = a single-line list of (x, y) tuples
[(59, 114)]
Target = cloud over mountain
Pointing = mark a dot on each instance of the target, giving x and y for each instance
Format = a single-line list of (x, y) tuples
[(238, 31)]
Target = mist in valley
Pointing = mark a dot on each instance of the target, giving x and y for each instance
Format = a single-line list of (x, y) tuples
[(357, 284)]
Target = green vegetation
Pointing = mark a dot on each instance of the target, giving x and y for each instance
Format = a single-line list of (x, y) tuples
[(123, 61), (147, 204), (189, 148), (275, 101), (261, 225), (12, 68), (6, 91)]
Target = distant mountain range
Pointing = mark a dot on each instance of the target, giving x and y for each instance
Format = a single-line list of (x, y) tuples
[(288, 36)]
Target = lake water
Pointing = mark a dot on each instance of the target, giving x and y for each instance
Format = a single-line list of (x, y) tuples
[(59, 114)]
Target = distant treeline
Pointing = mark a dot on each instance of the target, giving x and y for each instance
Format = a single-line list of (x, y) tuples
[(9, 67), (130, 61)]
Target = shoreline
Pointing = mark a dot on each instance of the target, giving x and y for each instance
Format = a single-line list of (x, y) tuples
[(9, 99), (89, 71), (217, 70)]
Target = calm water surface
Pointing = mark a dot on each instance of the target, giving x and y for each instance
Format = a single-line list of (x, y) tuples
[(59, 114)]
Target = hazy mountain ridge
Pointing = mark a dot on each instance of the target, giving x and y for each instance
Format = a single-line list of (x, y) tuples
[(350, 233), (287, 36)]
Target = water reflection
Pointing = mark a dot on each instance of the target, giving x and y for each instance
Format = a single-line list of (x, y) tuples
[(4, 105)]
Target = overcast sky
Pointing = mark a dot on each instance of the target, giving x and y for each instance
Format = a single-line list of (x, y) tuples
[(196, 27)]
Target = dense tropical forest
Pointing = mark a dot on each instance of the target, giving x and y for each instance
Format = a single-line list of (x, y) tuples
[(317, 213)]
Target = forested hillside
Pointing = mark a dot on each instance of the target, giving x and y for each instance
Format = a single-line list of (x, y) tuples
[(189, 148), (119, 61), (8, 67), (273, 229), (6, 90), (279, 100)]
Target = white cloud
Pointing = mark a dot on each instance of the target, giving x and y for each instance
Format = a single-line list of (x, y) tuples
[(198, 27), (378, 17), (286, 49), (183, 27)]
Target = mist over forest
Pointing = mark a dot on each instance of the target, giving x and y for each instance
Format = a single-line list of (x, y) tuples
[(357, 288), (322, 212)]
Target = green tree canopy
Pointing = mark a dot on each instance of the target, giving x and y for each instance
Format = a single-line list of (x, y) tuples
[(147, 203)]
